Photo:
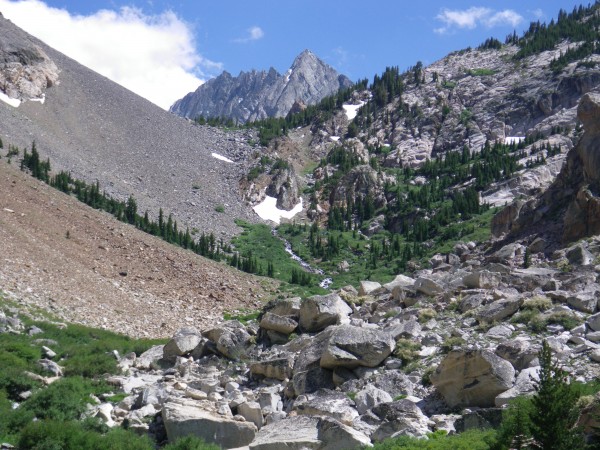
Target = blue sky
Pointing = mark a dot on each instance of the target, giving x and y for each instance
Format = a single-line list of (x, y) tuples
[(358, 38)]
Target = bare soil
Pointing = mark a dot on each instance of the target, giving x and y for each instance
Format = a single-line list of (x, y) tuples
[(84, 266)]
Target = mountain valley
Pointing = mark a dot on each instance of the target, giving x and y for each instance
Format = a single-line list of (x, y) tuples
[(452, 207)]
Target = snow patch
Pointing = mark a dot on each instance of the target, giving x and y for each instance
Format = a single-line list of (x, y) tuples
[(221, 157), (334, 138), (41, 99), (267, 210), (513, 139), (287, 76), (352, 110), (14, 102)]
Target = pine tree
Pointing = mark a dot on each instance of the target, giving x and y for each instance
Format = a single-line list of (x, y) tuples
[(554, 412)]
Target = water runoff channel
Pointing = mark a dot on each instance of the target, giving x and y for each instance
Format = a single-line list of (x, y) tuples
[(324, 283)]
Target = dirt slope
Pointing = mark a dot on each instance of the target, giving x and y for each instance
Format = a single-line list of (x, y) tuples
[(105, 273)]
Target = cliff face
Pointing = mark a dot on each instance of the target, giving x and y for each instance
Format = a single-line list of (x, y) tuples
[(570, 208), (260, 94)]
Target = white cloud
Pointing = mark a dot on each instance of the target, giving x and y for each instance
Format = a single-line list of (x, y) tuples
[(253, 34), (506, 17), (474, 17), (538, 13), (153, 56)]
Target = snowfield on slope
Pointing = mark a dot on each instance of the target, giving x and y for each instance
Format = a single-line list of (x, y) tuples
[(267, 210)]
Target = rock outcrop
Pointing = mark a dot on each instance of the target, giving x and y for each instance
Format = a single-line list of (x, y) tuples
[(260, 94), (570, 208), (26, 71)]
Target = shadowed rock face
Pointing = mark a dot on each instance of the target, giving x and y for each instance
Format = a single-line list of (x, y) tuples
[(570, 208), (258, 95)]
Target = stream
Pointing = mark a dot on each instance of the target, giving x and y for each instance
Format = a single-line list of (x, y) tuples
[(325, 282)]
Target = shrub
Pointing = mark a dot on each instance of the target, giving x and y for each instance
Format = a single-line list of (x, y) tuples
[(427, 314), (191, 443), (49, 435), (567, 319), (449, 344), (220, 208), (407, 350), (538, 302), (469, 440), (63, 400)]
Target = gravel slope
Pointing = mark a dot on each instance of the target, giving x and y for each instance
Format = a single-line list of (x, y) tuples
[(106, 273), (99, 130)]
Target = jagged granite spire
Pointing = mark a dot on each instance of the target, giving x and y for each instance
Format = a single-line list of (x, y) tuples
[(260, 94)]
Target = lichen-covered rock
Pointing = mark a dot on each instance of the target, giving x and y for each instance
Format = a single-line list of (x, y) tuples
[(428, 286), (499, 310), (482, 279)]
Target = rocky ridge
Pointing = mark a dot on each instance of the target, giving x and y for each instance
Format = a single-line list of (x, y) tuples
[(258, 95)]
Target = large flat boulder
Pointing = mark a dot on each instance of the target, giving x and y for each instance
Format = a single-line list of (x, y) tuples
[(320, 311), (351, 347), (472, 377), (281, 324), (309, 432), (185, 419)]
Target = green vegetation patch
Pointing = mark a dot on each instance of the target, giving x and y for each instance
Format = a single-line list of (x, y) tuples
[(481, 72), (266, 252)]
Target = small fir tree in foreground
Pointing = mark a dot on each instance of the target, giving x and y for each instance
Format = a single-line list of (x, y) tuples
[(555, 411)]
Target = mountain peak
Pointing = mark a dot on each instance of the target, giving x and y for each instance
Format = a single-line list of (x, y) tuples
[(257, 95)]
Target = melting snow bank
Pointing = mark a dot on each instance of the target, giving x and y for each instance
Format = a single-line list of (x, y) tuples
[(352, 110), (15, 102), (268, 210), (221, 157)]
